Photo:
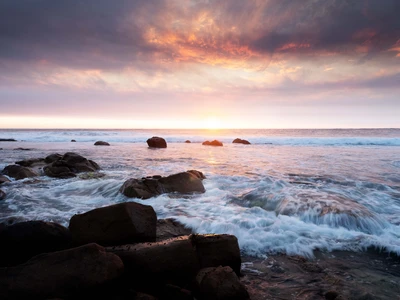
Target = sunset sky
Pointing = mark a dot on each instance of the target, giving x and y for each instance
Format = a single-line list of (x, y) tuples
[(196, 64)]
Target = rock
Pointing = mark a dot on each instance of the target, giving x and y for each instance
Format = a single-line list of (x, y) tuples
[(187, 142), (2, 195), (184, 182), (240, 141), (213, 143), (31, 162), (23, 149), (220, 283), (68, 165), (8, 140), (19, 172), (73, 141), (52, 158), (169, 228), (157, 142), (23, 240), (331, 295), (174, 260), (171, 291), (4, 179), (218, 249), (101, 143), (143, 296), (91, 175), (60, 274), (115, 225)]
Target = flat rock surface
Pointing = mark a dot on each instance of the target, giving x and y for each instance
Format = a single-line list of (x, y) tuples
[(336, 275)]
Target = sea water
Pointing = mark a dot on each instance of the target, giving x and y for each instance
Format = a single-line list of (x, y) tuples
[(290, 191)]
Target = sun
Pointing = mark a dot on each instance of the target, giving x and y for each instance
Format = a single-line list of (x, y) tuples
[(212, 123)]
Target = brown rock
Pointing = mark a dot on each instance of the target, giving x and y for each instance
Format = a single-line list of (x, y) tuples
[(68, 165), (23, 240), (157, 142), (220, 283), (240, 141), (184, 182), (218, 249), (60, 273), (115, 225), (19, 172), (213, 143), (187, 142), (101, 143), (52, 158), (169, 228)]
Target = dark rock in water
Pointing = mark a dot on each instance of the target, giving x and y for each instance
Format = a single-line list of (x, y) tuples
[(169, 228), (101, 143), (220, 283), (240, 141), (3, 179), (8, 140), (213, 143), (115, 225), (23, 149), (68, 165), (60, 274), (143, 296), (73, 141), (19, 172), (173, 260), (2, 195), (157, 142), (31, 162), (52, 158), (171, 291), (218, 250), (184, 182), (24, 240), (187, 142)]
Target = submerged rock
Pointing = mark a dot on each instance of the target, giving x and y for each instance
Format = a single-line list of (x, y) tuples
[(115, 225), (213, 143), (184, 182), (21, 241), (60, 274), (19, 172), (240, 141), (68, 165), (101, 143), (8, 140), (73, 141), (157, 142)]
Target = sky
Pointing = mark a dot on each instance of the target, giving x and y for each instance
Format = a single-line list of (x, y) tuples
[(199, 63)]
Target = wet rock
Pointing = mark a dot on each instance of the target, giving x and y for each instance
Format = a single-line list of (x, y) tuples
[(8, 140), (169, 228), (240, 141), (173, 260), (2, 195), (31, 162), (101, 143), (73, 141), (19, 172), (23, 149), (220, 283), (213, 143), (59, 274), (187, 142), (23, 240), (115, 225), (69, 165), (184, 182), (3, 179), (157, 142), (331, 295), (218, 249), (52, 158), (171, 291)]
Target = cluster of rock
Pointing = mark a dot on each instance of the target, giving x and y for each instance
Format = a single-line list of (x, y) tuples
[(213, 143), (117, 252)]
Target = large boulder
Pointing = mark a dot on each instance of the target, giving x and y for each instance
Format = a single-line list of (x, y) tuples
[(19, 172), (147, 187), (101, 143), (218, 249), (3, 179), (68, 165), (60, 274), (220, 283), (169, 228), (52, 158), (2, 195), (240, 141), (117, 224), (31, 162), (21, 241), (157, 142), (213, 143)]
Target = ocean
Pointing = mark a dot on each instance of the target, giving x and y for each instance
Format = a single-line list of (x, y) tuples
[(291, 191)]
